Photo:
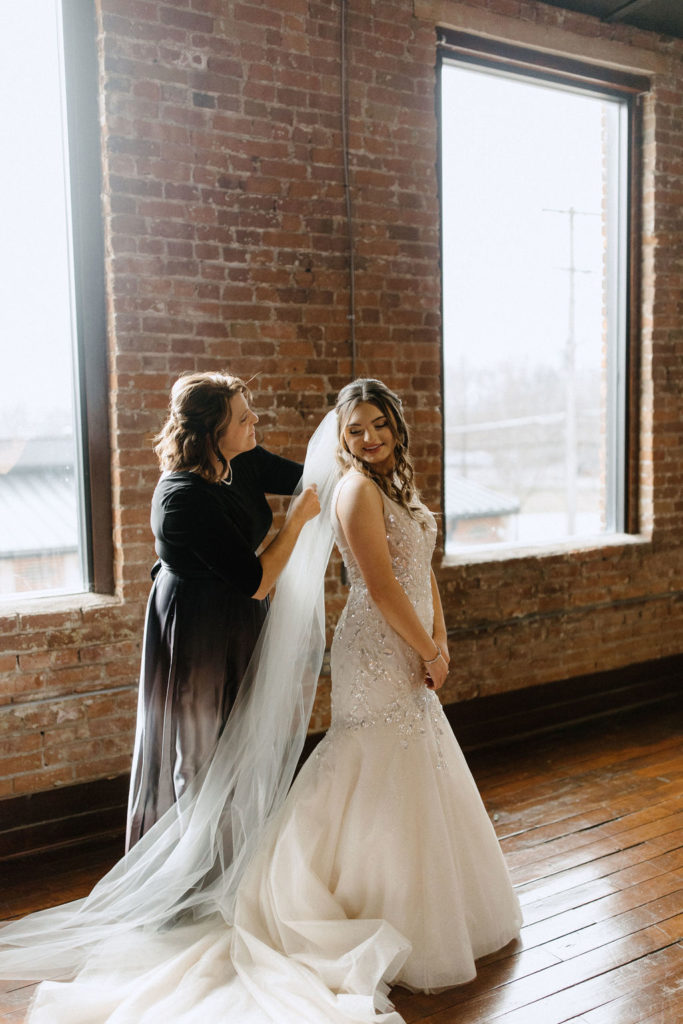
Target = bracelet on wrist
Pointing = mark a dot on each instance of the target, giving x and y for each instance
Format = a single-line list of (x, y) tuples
[(435, 658)]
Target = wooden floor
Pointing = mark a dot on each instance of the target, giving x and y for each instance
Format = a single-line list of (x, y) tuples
[(591, 822)]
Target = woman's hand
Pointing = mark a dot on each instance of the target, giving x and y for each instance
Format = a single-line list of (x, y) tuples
[(436, 673), (441, 640), (274, 558), (439, 635), (305, 506)]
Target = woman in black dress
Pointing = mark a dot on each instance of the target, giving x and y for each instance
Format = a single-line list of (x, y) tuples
[(210, 591)]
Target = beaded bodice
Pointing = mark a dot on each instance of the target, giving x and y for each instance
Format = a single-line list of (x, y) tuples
[(377, 678)]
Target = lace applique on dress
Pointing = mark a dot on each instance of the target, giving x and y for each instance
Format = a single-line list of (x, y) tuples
[(377, 678)]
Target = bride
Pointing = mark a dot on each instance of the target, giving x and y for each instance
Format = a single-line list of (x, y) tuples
[(380, 867)]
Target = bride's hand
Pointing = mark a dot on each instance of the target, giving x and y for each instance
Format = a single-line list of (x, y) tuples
[(436, 673), (442, 642)]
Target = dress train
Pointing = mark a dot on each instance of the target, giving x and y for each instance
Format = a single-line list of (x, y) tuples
[(381, 866)]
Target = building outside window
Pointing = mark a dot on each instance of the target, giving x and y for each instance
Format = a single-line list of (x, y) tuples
[(535, 203), (45, 488)]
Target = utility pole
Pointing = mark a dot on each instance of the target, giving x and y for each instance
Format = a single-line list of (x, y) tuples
[(464, 383), (571, 453)]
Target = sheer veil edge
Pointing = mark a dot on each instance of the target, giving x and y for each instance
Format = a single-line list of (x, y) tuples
[(189, 865)]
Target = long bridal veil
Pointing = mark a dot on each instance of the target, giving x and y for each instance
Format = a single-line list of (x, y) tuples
[(188, 866)]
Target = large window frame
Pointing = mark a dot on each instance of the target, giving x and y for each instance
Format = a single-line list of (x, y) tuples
[(89, 458), (467, 49), (82, 92)]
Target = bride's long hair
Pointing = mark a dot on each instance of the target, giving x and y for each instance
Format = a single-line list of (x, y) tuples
[(398, 484)]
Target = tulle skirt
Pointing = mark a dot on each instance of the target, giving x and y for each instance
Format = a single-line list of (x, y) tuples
[(382, 867)]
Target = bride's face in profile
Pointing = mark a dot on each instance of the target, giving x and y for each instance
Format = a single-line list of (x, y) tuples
[(368, 435)]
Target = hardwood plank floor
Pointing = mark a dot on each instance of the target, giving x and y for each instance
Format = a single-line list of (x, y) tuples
[(591, 822)]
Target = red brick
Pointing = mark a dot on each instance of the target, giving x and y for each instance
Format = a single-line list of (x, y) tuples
[(227, 245), (34, 782)]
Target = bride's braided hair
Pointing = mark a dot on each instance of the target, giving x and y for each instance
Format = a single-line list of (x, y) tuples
[(399, 483)]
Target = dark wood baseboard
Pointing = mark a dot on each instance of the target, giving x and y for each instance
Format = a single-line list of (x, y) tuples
[(93, 811), (64, 816), (507, 717)]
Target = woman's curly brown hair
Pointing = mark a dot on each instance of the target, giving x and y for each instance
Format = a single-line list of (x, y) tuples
[(399, 483), (199, 413)]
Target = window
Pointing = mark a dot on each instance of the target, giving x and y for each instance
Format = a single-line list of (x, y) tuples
[(535, 225), (54, 504)]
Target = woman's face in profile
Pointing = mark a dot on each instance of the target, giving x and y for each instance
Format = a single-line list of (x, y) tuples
[(239, 435)]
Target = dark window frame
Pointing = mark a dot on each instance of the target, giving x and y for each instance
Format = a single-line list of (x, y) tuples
[(82, 91), (465, 47)]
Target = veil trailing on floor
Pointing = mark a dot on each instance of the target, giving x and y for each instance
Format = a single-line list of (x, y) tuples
[(189, 865)]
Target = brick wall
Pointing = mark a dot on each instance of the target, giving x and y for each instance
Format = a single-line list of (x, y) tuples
[(226, 246)]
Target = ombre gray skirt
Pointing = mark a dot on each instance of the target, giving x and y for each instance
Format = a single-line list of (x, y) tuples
[(199, 636)]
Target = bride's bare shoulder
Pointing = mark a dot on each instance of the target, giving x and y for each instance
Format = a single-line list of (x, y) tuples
[(357, 494)]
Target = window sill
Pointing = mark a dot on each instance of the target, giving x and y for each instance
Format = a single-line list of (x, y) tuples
[(54, 604), (575, 546)]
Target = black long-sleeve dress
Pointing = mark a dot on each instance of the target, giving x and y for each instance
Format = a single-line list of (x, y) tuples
[(202, 623)]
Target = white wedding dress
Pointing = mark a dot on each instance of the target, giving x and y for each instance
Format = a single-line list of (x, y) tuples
[(380, 868)]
